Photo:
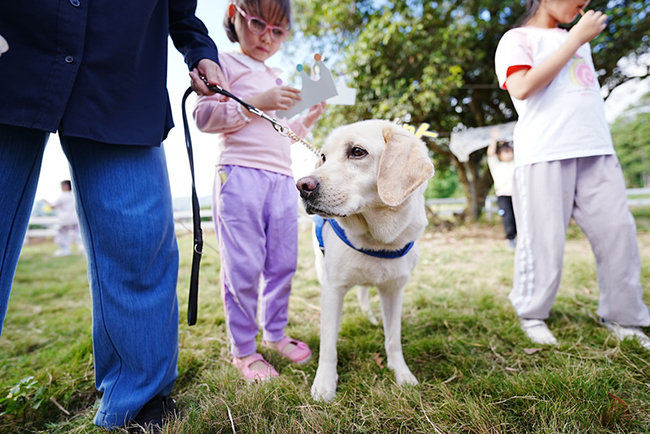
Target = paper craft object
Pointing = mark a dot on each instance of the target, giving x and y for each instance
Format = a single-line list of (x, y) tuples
[(346, 95), (315, 89), (463, 143)]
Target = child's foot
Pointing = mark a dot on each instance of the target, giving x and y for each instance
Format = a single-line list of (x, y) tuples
[(537, 331), (296, 351), (254, 367), (622, 332)]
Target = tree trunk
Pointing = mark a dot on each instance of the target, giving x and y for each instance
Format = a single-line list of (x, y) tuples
[(476, 180)]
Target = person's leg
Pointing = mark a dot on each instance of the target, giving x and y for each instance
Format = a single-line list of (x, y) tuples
[(603, 214), (282, 257), (21, 154), (126, 218), (543, 203), (239, 194), (76, 235), (508, 217), (63, 239)]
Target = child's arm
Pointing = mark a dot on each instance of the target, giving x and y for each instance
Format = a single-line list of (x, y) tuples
[(301, 125), (276, 98), (492, 147), (213, 115), (527, 82)]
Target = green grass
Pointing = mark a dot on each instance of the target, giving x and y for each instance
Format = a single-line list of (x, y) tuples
[(460, 336)]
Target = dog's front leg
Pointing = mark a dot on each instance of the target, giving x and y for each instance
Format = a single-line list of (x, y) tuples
[(391, 308), (324, 387)]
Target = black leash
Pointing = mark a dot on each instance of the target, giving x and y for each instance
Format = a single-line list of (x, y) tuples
[(192, 308), (193, 305)]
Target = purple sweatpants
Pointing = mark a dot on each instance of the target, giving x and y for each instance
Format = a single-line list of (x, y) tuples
[(592, 191), (256, 220)]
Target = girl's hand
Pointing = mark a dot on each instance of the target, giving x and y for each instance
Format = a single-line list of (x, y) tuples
[(277, 98), (314, 113), (589, 26)]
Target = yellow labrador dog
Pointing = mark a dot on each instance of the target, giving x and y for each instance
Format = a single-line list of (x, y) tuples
[(370, 187)]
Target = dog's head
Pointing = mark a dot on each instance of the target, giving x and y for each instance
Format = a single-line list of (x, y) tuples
[(365, 164)]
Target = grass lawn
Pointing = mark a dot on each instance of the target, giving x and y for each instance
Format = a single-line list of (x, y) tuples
[(461, 339)]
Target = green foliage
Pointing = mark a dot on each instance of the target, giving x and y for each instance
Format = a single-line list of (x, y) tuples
[(28, 393), (434, 61), (443, 184), (420, 61), (631, 135)]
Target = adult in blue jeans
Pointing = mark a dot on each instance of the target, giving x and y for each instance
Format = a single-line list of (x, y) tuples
[(95, 71)]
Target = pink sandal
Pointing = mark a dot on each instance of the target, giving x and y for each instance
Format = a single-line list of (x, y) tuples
[(244, 364), (301, 354)]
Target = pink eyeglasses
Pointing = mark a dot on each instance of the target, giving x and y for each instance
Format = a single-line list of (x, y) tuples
[(258, 26)]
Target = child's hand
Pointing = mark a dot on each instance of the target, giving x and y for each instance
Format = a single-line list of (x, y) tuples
[(277, 98), (589, 26), (314, 113)]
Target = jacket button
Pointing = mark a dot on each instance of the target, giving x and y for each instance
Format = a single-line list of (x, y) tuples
[(75, 3), (69, 59)]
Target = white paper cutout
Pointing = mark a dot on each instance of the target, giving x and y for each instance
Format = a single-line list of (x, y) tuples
[(315, 89), (346, 95)]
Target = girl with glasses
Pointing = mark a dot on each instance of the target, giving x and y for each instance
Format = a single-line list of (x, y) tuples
[(255, 200)]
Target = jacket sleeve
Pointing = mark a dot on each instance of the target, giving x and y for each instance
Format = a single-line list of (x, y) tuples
[(189, 34)]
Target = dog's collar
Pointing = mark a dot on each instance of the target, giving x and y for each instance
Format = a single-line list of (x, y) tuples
[(338, 230)]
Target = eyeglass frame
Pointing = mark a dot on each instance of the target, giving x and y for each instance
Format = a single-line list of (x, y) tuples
[(249, 18)]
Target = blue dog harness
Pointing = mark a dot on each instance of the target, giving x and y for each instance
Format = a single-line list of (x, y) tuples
[(338, 230)]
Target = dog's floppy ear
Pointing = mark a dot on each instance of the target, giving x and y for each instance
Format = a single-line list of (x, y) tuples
[(404, 165)]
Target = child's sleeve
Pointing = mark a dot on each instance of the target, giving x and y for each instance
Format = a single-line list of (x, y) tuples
[(297, 125), (215, 116), (513, 54)]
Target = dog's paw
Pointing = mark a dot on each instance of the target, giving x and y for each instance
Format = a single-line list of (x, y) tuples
[(405, 378), (323, 394), (324, 387)]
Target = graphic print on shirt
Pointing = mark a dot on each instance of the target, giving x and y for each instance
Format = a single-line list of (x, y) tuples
[(581, 73)]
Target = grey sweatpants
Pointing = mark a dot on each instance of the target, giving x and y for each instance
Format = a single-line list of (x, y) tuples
[(592, 191)]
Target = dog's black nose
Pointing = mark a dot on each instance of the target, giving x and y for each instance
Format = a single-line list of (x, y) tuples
[(307, 186)]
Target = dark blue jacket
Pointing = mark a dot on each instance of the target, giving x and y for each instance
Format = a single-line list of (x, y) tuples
[(95, 69)]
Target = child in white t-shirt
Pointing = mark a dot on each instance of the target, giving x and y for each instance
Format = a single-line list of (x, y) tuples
[(565, 166), (500, 159)]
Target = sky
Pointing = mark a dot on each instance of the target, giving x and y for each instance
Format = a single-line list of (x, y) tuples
[(55, 166)]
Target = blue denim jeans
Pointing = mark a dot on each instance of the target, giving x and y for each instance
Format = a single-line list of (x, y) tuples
[(126, 220)]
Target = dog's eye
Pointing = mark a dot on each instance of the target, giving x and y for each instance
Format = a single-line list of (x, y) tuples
[(322, 158), (357, 152)]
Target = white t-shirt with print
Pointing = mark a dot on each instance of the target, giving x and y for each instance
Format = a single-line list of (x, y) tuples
[(503, 173), (564, 120)]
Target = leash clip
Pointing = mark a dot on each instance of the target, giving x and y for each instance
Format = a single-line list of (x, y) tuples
[(283, 130)]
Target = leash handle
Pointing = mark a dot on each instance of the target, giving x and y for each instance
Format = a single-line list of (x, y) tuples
[(192, 308)]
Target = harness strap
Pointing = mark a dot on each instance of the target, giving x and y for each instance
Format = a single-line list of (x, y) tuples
[(340, 232)]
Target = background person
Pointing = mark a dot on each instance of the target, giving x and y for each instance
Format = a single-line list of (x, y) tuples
[(68, 224), (96, 71), (500, 159)]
